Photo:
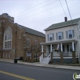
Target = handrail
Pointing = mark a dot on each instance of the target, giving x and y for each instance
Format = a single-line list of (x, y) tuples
[(48, 57), (67, 54), (41, 58), (46, 60)]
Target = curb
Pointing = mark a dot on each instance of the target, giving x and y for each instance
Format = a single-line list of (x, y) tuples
[(50, 66), (45, 65)]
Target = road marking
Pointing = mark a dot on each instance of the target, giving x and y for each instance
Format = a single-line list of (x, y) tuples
[(15, 75)]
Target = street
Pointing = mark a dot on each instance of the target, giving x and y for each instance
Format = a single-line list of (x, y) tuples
[(9, 71)]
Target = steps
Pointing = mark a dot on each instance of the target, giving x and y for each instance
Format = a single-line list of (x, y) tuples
[(45, 60)]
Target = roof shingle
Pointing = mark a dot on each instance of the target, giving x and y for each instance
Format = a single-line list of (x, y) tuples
[(63, 24), (31, 31)]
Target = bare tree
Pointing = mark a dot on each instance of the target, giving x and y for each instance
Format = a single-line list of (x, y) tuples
[(36, 49)]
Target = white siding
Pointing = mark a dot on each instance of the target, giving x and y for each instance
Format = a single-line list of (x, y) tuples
[(64, 29)]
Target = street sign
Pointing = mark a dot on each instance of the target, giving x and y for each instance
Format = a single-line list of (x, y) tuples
[(28, 54)]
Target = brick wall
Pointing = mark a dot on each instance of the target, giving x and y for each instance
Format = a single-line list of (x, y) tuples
[(19, 37)]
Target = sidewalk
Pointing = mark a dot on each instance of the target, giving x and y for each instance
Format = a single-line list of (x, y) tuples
[(42, 65)]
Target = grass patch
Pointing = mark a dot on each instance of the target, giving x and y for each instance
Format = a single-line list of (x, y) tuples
[(66, 64)]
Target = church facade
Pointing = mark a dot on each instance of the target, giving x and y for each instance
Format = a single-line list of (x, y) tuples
[(18, 41)]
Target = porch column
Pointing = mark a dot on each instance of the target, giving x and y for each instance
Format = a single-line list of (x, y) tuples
[(72, 46), (51, 48), (61, 53), (51, 53), (73, 53), (61, 48)]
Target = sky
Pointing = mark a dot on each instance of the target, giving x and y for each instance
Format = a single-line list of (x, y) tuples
[(40, 14)]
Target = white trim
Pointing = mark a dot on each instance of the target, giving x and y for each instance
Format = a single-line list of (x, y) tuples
[(73, 46), (41, 48), (61, 47), (10, 32), (58, 41), (51, 47)]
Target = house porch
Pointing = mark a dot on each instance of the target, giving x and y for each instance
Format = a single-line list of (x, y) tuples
[(64, 52)]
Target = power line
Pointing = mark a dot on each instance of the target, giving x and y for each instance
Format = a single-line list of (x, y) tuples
[(57, 15), (41, 11), (35, 7), (30, 8), (39, 7), (68, 10), (62, 7)]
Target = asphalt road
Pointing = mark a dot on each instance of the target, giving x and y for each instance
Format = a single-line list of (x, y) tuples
[(10, 71)]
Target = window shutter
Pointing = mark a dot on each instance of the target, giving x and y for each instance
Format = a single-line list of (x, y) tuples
[(66, 34), (73, 33), (56, 36), (48, 37), (52, 36), (62, 35)]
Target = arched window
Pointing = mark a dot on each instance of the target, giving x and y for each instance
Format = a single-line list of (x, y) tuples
[(28, 42), (35, 43), (7, 38)]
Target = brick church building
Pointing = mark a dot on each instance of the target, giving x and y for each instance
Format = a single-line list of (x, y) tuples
[(18, 41)]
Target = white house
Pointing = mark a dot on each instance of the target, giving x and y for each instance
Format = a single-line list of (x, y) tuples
[(62, 42)]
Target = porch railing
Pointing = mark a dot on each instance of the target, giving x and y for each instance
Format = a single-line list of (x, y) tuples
[(56, 54), (41, 58), (67, 54), (49, 58)]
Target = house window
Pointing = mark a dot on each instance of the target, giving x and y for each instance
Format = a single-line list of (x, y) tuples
[(28, 42), (7, 38), (35, 43), (70, 34), (59, 35), (50, 37), (8, 44)]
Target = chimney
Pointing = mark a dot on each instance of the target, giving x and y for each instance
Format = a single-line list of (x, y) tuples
[(65, 19)]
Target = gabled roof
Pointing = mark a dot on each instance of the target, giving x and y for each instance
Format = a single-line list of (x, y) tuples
[(31, 31), (63, 24)]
